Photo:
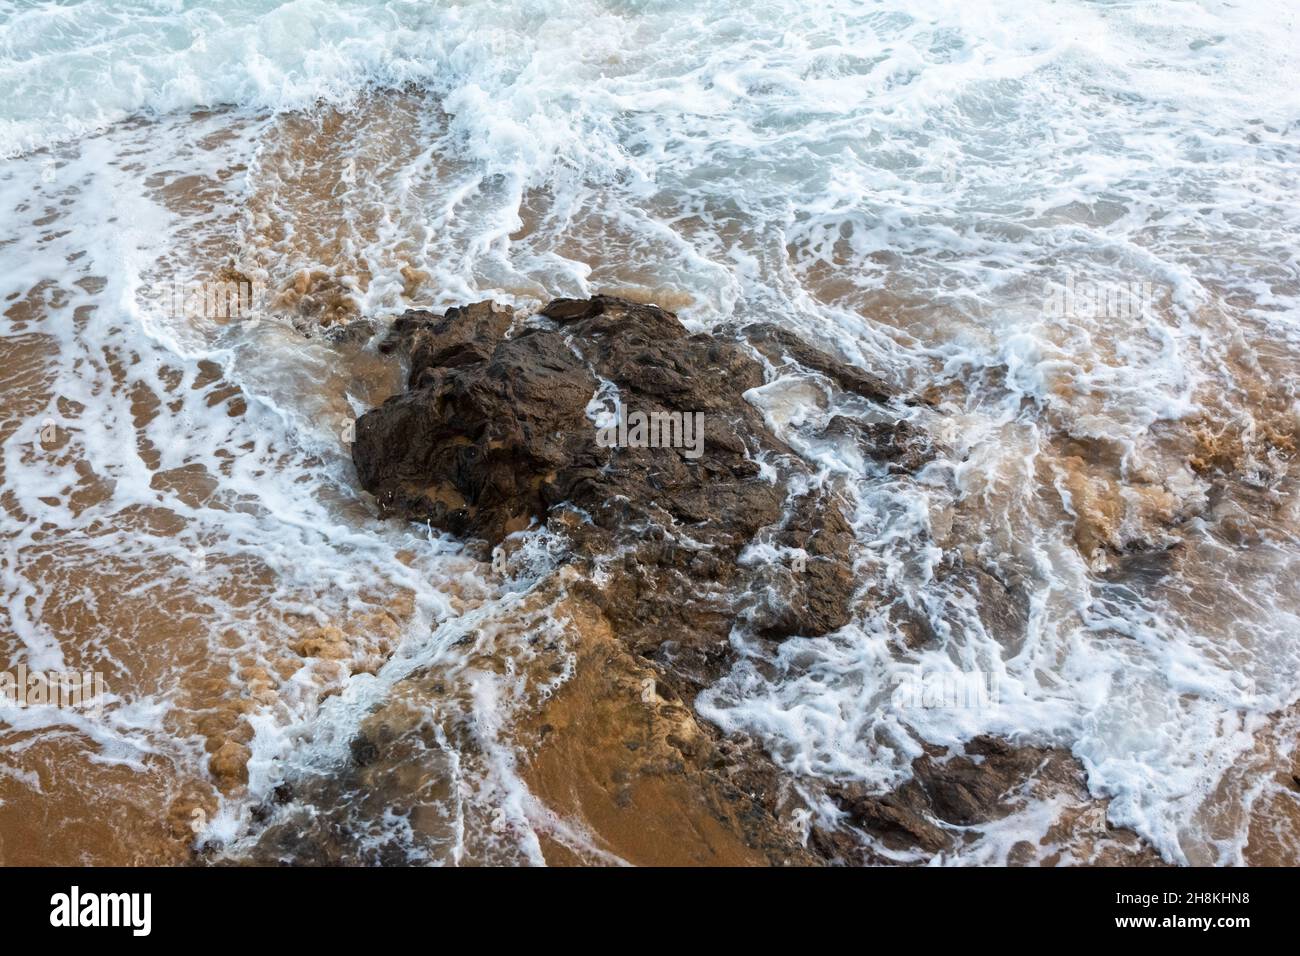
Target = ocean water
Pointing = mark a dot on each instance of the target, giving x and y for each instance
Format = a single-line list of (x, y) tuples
[(1070, 224)]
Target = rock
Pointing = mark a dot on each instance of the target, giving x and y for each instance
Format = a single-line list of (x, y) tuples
[(1002, 609), (354, 333), (363, 749), (462, 335), (810, 594), (485, 447), (229, 766), (895, 824), (495, 434), (913, 624), (782, 347), (482, 448), (616, 748), (949, 791), (902, 446)]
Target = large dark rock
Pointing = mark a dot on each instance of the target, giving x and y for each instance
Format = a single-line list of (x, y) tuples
[(952, 794), (483, 447), (494, 431), (898, 444), (463, 335)]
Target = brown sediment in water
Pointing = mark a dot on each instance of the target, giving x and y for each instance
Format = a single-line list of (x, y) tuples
[(636, 770), (66, 798), (65, 807), (317, 207), (62, 801), (1114, 515), (1274, 828), (614, 771)]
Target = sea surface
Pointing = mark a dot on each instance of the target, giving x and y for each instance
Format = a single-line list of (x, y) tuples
[(1070, 225)]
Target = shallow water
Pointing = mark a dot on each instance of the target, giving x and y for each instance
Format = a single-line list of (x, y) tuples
[(912, 185)]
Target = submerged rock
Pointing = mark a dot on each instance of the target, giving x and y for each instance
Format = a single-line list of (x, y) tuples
[(783, 348), (950, 793)]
